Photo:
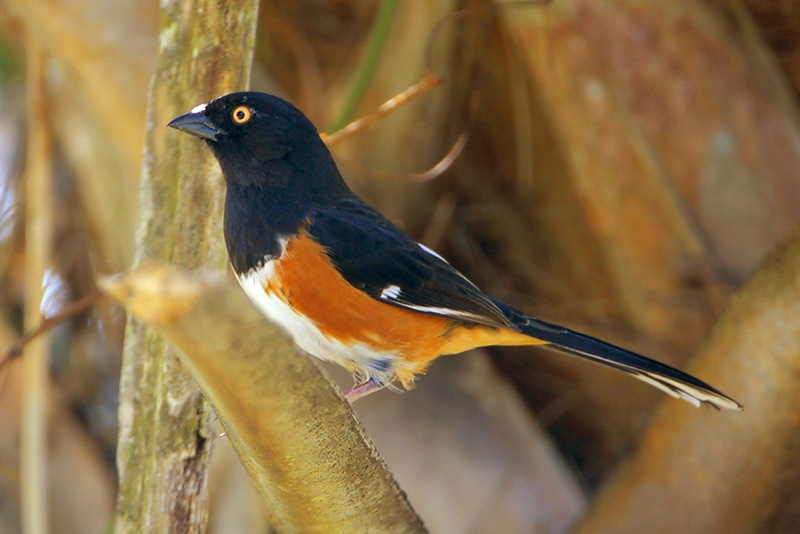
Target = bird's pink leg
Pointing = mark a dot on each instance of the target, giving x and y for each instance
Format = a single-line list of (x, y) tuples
[(362, 390)]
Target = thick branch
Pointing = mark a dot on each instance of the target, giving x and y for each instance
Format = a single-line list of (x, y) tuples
[(305, 451), (738, 472)]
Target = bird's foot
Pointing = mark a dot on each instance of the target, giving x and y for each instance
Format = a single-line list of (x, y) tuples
[(363, 389)]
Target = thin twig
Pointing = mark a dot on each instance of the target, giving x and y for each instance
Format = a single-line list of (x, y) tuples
[(369, 61), (68, 312), (429, 81)]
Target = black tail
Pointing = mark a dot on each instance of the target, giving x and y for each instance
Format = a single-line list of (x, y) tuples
[(668, 379)]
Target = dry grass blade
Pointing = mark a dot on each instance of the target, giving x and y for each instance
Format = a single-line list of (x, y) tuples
[(47, 324), (38, 233)]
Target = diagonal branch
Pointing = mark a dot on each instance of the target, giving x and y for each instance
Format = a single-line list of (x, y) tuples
[(307, 454), (725, 472)]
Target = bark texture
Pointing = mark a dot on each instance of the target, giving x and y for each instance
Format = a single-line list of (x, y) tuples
[(305, 451), (205, 49)]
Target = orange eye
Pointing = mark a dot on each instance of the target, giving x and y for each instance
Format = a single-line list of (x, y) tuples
[(241, 114)]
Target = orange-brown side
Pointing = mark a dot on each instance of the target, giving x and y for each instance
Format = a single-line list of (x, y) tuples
[(310, 284)]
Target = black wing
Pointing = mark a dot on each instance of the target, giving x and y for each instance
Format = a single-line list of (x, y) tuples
[(378, 258)]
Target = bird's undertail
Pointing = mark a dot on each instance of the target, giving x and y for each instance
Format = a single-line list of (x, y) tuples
[(668, 379)]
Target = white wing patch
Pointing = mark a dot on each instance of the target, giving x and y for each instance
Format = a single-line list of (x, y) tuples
[(447, 312), (436, 255), (431, 252), (393, 292), (390, 292)]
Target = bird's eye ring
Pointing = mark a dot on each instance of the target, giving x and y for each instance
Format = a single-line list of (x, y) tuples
[(241, 114)]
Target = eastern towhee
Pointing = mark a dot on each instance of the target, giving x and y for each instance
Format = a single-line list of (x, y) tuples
[(347, 284)]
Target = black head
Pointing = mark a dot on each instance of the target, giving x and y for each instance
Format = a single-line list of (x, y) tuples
[(262, 140), (276, 167)]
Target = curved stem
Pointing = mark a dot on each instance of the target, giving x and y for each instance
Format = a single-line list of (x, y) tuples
[(368, 62)]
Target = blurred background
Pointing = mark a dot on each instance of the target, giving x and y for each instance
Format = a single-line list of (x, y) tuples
[(627, 166)]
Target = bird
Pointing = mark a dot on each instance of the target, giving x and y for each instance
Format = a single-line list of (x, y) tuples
[(347, 284)]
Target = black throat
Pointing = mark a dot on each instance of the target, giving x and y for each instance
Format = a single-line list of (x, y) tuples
[(270, 199)]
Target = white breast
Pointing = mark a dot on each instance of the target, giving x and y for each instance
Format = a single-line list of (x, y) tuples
[(360, 358)]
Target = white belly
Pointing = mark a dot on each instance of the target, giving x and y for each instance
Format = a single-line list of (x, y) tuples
[(359, 358)]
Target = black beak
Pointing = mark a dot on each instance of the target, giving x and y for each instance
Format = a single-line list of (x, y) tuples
[(196, 124)]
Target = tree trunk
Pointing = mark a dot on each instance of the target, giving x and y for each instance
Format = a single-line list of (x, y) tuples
[(205, 50)]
